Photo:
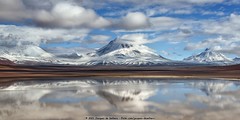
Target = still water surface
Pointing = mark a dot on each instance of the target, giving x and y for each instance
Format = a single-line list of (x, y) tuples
[(158, 99)]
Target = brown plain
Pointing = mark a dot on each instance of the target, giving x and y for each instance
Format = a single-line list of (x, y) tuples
[(9, 73)]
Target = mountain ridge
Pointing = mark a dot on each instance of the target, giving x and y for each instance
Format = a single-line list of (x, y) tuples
[(208, 56), (116, 52)]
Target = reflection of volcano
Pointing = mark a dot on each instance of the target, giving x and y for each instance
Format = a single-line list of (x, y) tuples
[(128, 100), (211, 87)]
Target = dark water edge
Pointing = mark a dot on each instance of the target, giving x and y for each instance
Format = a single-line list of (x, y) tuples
[(99, 98)]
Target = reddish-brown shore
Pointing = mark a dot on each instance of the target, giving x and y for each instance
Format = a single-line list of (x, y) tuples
[(11, 73)]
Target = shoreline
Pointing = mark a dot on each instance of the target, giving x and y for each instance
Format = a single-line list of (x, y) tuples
[(23, 73)]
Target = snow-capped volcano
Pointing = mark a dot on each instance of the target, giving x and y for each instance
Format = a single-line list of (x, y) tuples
[(208, 56), (123, 47), (126, 52)]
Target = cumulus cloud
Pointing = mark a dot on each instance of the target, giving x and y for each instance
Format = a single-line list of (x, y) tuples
[(51, 14), (133, 20), (39, 4), (178, 34), (173, 37), (235, 49), (165, 23), (12, 10), (209, 43), (224, 35), (153, 24), (137, 38), (68, 15), (230, 26), (98, 39)]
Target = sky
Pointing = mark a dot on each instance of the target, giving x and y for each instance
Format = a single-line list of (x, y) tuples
[(175, 29)]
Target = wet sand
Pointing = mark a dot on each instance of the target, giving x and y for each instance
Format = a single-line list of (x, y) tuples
[(9, 73)]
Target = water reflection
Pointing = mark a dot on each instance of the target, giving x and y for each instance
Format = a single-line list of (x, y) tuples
[(211, 87), (129, 99), (163, 99)]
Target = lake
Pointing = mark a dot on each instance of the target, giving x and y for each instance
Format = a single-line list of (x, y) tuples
[(120, 99)]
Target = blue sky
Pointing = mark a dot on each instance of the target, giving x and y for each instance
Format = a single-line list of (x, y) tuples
[(175, 29)]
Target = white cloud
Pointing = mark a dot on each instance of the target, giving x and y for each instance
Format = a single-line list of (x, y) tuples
[(218, 13), (157, 10), (231, 50), (51, 13), (225, 34), (68, 15), (209, 43), (164, 53), (229, 26), (133, 20), (165, 23), (183, 11), (152, 24), (173, 37), (98, 39), (13, 10), (137, 38)]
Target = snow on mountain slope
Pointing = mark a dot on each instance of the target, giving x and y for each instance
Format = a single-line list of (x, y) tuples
[(4, 61), (26, 50), (123, 47), (208, 56), (125, 52), (236, 60), (25, 53), (116, 52)]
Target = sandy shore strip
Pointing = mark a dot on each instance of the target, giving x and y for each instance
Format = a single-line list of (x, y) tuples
[(15, 73)]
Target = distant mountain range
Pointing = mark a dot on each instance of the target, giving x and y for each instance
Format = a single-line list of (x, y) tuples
[(116, 52), (208, 56)]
